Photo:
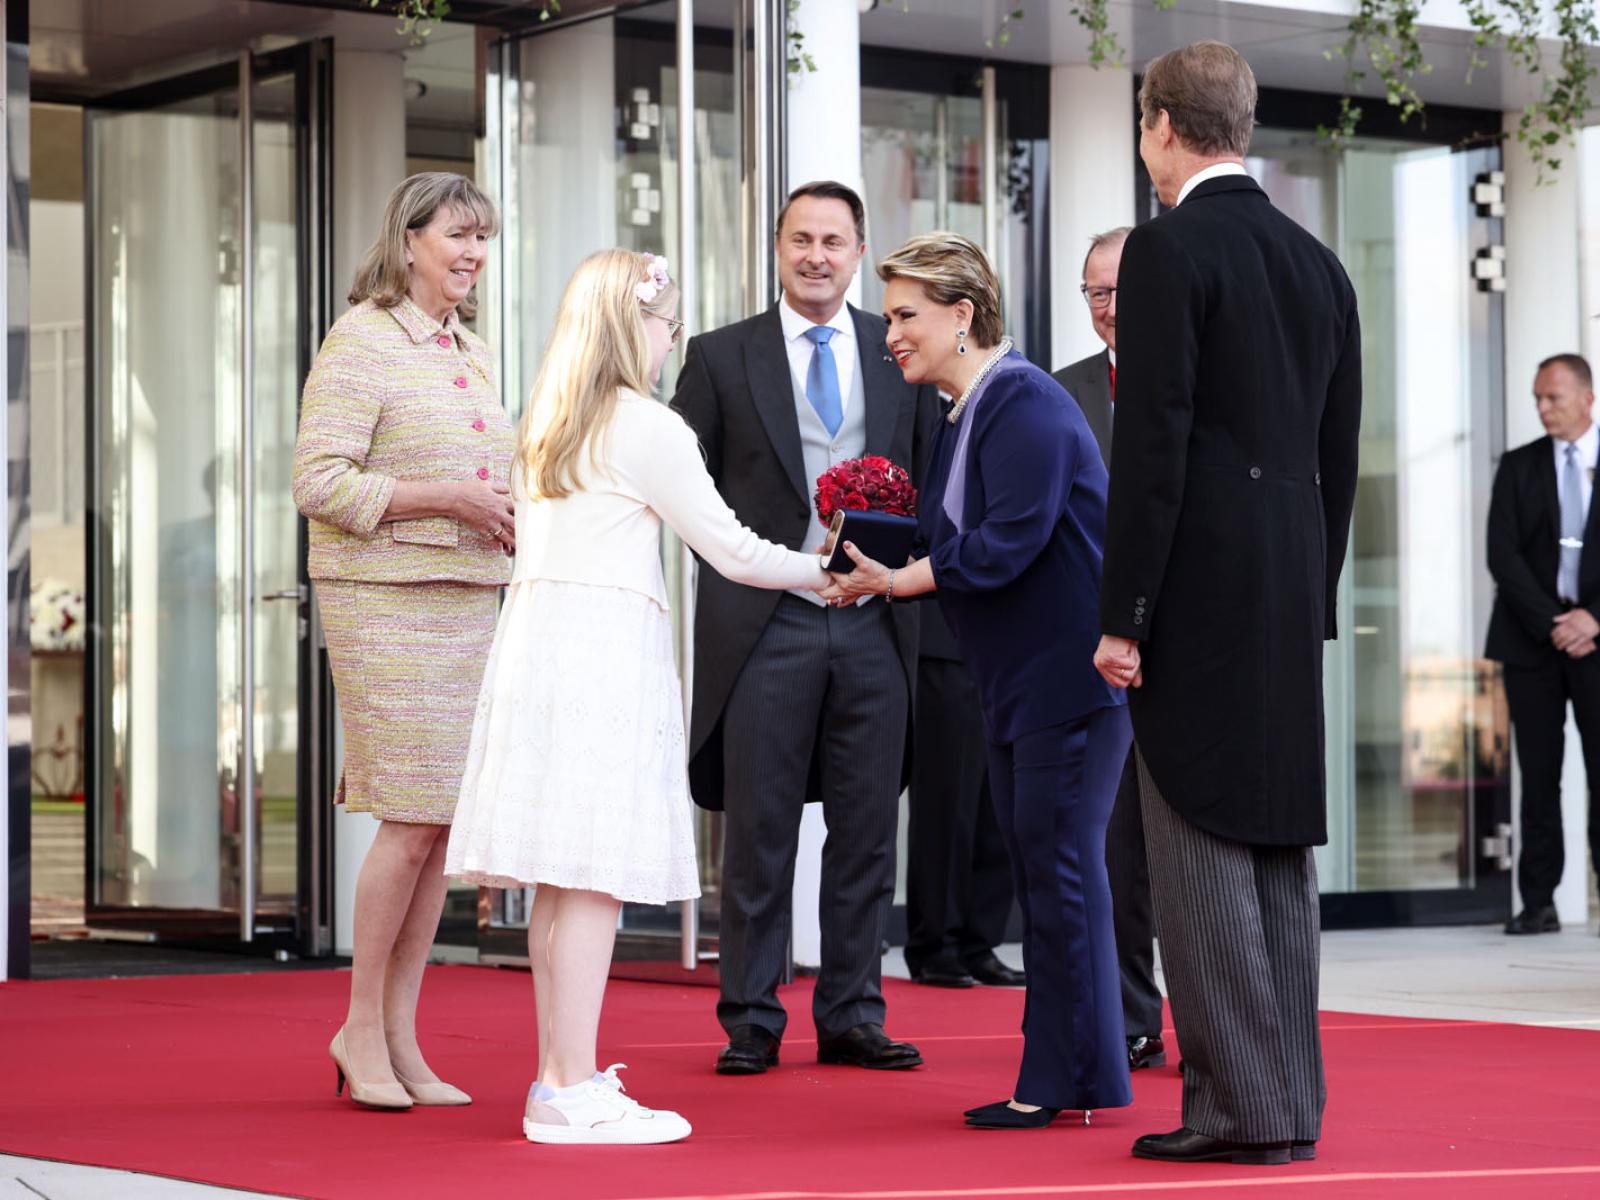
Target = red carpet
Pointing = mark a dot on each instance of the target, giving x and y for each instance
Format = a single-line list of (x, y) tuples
[(224, 1079)]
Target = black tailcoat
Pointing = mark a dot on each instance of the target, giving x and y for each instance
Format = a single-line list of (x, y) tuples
[(1237, 423)]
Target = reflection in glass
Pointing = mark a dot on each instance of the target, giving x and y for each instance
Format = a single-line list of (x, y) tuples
[(166, 321), (166, 510), (1415, 738)]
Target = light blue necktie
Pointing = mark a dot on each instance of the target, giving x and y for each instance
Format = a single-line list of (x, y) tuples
[(1571, 526), (822, 379)]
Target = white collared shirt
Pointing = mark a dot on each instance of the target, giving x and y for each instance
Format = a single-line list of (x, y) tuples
[(801, 348), (1588, 445), (1214, 171)]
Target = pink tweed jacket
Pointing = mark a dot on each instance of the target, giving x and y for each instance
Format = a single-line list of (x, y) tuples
[(395, 395)]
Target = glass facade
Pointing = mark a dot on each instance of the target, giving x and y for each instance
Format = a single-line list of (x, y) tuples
[(577, 133), (1417, 733)]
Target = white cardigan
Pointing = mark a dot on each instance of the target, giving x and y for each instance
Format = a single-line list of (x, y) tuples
[(608, 533)]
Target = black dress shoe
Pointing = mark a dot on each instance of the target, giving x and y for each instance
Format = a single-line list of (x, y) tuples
[(868, 1046), (1302, 1151), (991, 972), (1146, 1052), (750, 1051), (1542, 919), (1185, 1145), (1003, 1116), (943, 974)]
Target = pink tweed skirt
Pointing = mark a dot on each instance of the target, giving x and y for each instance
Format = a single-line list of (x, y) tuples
[(407, 663)]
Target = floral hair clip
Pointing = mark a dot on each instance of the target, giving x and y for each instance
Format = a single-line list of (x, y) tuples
[(649, 288)]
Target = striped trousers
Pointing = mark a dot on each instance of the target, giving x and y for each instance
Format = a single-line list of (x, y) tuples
[(1240, 932)]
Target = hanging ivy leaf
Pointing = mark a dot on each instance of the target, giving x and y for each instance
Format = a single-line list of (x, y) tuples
[(418, 17)]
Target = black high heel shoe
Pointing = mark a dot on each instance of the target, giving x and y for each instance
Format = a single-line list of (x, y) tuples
[(1002, 1116)]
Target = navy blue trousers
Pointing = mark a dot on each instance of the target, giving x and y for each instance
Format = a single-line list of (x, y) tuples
[(1053, 791)]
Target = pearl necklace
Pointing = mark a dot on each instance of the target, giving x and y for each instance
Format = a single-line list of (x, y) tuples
[(999, 352)]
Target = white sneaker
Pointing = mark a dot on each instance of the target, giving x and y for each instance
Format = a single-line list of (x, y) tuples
[(601, 1113)]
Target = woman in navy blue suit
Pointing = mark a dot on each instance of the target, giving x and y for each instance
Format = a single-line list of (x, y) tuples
[(1012, 517)]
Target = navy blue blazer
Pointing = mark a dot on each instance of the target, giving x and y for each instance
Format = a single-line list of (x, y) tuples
[(1020, 587)]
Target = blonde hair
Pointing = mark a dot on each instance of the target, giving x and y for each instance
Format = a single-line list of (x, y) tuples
[(597, 347), (383, 276), (951, 268)]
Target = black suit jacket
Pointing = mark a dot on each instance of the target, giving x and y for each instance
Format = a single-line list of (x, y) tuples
[(1525, 552), (1238, 420), (737, 393), (1089, 382)]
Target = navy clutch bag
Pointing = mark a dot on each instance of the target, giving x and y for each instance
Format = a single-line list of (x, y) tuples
[(882, 537)]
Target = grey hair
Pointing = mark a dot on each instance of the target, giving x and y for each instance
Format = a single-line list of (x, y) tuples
[(1108, 240)]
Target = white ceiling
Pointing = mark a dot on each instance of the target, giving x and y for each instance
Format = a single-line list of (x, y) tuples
[(95, 46), (90, 47), (1290, 48)]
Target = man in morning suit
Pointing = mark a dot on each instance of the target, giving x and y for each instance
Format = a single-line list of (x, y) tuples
[(794, 699), (1544, 554), (1093, 384), (1238, 421)]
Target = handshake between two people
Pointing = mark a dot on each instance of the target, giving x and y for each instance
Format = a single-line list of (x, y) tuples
[(1116, 658)]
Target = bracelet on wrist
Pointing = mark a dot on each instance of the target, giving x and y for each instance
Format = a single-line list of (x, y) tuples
[(888, 596)]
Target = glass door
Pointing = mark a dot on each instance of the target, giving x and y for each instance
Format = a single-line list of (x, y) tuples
[(1417, 732), (584, 153), (201, 267)]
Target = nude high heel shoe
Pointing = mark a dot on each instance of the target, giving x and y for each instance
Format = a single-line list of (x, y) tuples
[(438, 1094), (390, 1096)]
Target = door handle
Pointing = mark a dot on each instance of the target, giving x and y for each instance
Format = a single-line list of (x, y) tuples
[(297, 593)]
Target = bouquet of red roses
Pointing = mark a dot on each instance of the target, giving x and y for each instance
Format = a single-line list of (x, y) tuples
[(871, 483)]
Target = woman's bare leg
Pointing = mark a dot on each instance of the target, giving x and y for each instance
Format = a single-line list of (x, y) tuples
[(407, 961), (545, 900), (385, 891), (582, 934)]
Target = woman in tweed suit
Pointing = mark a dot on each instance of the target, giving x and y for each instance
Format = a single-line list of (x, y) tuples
[(401, 468)]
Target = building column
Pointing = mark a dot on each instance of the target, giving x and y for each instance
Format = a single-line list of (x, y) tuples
[(1544, 317), (369, 148), (1092, 147), (823, 142)]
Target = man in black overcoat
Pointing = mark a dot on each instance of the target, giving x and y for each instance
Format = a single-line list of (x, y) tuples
[(1238, 416), (793, 699), (1544, 554)]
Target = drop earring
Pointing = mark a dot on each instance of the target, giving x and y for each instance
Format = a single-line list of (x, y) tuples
[(961, 344)]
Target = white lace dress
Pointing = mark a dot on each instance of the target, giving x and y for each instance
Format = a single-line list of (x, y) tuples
[(576, 773)]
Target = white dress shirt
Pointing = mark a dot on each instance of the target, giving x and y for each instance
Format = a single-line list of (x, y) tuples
[(801, 348), (1214, 171)]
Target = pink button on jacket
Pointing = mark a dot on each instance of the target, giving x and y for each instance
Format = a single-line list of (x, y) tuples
[(382, 404)]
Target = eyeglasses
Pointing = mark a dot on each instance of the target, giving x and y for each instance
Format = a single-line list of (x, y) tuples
[(675, 326), (1098, 297)]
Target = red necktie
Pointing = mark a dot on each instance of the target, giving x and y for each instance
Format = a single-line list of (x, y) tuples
[(1113, 382)]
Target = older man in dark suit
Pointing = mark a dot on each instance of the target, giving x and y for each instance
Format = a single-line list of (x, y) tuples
[(1238, 421), (1093, 384), (792, 698), (1544, 554)]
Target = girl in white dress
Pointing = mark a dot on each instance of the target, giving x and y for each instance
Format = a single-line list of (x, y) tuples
[(576, 778)]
